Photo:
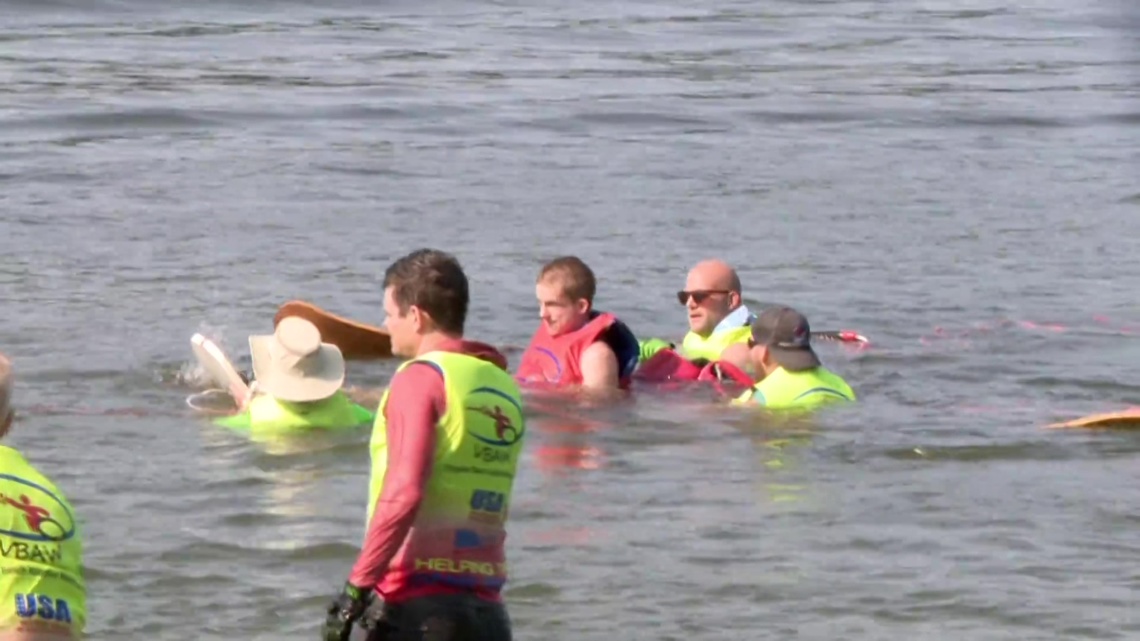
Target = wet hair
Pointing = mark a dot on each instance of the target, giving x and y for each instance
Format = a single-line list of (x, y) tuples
[(434, 281), (576, 277), (5, 392)]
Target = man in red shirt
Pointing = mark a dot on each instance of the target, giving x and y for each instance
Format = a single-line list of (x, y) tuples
[(445, 449)]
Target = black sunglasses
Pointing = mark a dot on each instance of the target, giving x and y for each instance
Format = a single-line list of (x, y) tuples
[(698, 295)]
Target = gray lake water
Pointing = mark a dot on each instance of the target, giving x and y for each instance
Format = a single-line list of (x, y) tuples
[(956, 180)]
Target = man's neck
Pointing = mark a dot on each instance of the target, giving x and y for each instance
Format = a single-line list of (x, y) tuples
[(432, 341), (575, 326), (764, 370)]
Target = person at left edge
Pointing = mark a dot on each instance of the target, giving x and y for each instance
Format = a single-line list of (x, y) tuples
[(574, 343), (297, 384), (43, 595), (445, 449)]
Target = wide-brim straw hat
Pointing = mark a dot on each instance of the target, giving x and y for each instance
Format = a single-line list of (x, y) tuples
[(292, 364)]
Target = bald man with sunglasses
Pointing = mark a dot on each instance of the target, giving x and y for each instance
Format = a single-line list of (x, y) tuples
[(718, 317)]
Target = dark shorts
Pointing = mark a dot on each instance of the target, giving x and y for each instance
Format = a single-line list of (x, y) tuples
[(442, 618)]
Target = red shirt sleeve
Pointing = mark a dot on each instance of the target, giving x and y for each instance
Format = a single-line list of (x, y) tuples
[(416, 401)]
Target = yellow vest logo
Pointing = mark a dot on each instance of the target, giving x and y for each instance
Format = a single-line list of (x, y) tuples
[(40, 516), (494, 418)]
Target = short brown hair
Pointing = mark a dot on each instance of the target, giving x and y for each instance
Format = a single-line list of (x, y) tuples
[(434, 281), (576, 277), (5, 392)]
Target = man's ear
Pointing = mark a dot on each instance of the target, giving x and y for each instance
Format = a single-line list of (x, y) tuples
[(583, 305), (416, 316), (421, 320), (765, 355)]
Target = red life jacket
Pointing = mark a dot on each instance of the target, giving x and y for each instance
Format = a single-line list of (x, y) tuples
[(724, 374), (667, 366), (557, 360)]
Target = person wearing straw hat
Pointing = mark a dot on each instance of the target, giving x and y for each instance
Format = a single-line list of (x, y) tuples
[(297, 383), (43, 595), (793, 378)]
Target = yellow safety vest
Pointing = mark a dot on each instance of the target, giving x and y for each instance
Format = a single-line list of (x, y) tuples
[(806, 390), (42, 589), (710, 347), (267, 414), (458, 532)]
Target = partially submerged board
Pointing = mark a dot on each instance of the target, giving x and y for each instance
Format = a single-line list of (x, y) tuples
[(1129, 418), (221, 371), (357, 341)]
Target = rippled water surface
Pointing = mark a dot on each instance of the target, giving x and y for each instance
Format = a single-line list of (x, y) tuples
[(956, 180)]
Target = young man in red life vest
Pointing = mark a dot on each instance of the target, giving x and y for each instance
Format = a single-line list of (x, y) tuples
[(445, 450), (576, 345)]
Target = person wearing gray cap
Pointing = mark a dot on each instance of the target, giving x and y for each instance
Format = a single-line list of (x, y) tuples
[(792, 375)]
